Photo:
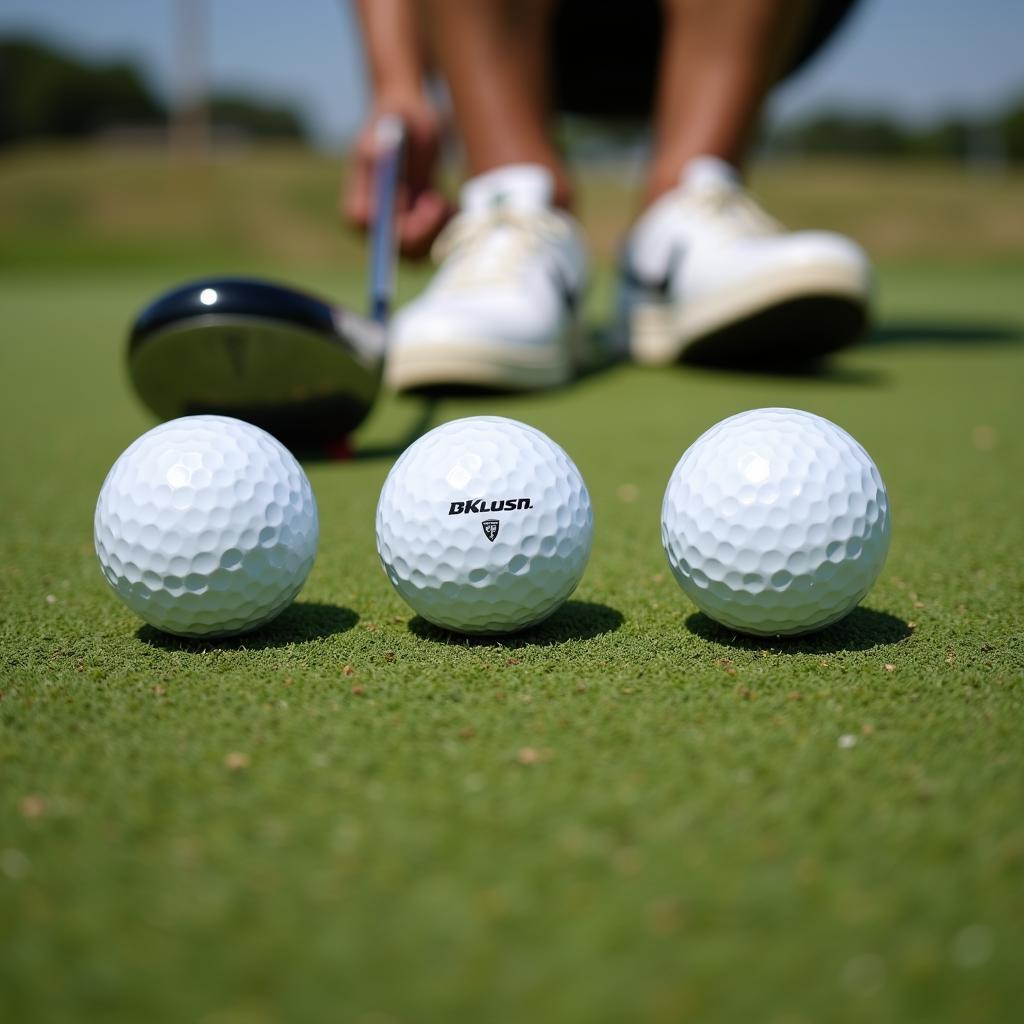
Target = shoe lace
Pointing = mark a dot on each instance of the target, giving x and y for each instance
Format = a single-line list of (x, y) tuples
[(490, 247), (734, 209)]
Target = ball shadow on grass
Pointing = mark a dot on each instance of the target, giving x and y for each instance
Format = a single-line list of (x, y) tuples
[(575, 620), (300, 622), (861, 630)]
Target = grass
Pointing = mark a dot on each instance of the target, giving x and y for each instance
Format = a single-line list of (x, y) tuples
[(626, 814)]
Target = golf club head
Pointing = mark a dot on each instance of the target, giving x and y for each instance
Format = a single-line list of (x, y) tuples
[(304, 370)]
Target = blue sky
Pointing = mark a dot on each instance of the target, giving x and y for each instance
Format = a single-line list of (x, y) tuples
[(916, 58)]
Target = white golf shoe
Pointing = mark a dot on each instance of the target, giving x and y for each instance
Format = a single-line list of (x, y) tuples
[(708, 276), (501, 311)]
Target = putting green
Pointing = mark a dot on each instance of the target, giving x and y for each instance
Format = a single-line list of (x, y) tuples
[(626, 814)]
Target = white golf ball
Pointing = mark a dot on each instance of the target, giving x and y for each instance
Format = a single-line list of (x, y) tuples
[(484, 525), (776, 522), (206, 526)]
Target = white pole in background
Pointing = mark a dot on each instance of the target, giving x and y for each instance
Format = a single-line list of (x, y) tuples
[(190, 118)]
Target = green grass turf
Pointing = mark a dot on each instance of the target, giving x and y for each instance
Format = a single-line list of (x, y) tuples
[(626, 814)]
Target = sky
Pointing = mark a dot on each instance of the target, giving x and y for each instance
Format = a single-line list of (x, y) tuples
[(918, 59)]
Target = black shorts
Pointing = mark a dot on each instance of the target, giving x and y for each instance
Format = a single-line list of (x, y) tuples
[(605, 58)]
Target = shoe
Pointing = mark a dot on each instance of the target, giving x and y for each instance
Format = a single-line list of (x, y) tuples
[(502, 310), (707, 276)]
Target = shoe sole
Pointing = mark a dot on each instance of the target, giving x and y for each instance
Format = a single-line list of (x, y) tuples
[(788, 318), (475, 365)]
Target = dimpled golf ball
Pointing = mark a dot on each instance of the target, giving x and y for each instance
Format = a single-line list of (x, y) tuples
[(776, 522), (484, 525), (206, 527)]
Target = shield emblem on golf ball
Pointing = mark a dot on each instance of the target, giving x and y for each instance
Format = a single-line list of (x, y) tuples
[(490, 528)]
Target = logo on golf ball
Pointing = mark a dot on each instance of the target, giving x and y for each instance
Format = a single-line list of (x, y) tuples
[(491, 527), (457, 508)]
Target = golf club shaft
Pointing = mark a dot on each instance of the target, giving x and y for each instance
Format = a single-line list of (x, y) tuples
[(390, 144)]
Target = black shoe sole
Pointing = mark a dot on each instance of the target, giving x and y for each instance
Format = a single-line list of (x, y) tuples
[(793, 332)]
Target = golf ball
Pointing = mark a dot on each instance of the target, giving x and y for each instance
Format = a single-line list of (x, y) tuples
[(776, 522), (484, 525), (206, 526)]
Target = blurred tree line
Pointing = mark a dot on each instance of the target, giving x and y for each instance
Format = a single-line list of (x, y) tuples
[(48, 94), (998, 138)]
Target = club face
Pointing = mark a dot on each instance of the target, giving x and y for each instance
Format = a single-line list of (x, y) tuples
[(304, 370)]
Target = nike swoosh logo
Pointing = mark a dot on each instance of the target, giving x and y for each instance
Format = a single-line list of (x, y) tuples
[(569, 295), (659, 285)]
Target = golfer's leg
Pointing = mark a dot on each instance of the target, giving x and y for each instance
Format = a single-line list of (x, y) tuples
[(708, 276), (719, 59), (501, 311), (494, 56)]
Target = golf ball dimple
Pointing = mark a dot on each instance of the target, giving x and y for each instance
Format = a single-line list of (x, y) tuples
[(776, 522), (206, 526), (484, 525)]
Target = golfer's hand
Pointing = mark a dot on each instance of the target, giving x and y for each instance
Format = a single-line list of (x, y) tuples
[(422, 210)]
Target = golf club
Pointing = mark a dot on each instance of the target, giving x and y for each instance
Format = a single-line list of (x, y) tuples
[(306, 370)]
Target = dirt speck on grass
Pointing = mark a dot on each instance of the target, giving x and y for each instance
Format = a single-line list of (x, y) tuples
[(984, 438), (533, 755), (33, 806)]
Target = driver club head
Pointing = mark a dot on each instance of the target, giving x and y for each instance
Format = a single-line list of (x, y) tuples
[(304, 370), (301, 368)]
